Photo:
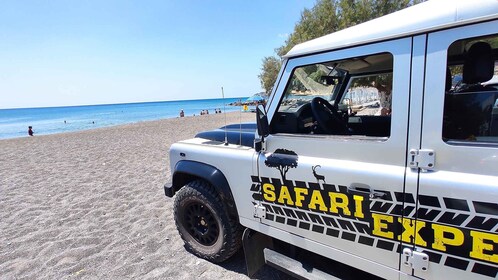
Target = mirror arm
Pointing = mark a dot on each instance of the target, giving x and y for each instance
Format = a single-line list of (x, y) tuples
[(258, 144)]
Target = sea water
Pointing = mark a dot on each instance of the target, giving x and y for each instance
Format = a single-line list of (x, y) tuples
[(14, 122)]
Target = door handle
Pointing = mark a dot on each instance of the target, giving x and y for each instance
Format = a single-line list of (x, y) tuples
[(365, 189)]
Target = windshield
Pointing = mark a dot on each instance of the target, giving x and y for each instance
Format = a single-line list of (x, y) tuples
[(363, 75)]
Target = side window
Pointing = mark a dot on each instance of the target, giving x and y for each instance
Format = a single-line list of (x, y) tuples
[(346, 97), (369, 95), (471, 98)]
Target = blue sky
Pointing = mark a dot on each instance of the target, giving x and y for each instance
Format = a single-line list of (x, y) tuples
[(57, 53)]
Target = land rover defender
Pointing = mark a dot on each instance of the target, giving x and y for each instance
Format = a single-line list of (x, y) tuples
[(377, 151)]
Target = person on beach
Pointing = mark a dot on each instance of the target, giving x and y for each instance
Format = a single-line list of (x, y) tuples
[(385, 103), (182, 114), (385, 96), (30, 131)]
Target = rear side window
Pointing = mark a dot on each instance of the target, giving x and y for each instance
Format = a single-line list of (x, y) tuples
[(471, 97)]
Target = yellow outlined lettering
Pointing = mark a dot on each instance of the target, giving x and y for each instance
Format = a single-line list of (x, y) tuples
[(410, 231), (269, 192), (380, 224), (300, 193), (339, 200), (358, 207), (479, 246), (316, 198), (441, 238), (284, 197)]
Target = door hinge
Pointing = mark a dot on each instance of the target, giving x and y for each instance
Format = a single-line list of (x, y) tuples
[(415, 260), (423, 159), (259, 211)]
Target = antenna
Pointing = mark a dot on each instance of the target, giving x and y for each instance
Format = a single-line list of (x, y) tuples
[(224, 113)]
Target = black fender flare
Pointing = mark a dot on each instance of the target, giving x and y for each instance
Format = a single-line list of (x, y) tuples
[(187, 171)]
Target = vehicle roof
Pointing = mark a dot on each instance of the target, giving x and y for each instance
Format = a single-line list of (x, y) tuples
[(424, 17)]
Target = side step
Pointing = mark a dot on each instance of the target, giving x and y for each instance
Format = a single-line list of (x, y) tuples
[(293, 267)]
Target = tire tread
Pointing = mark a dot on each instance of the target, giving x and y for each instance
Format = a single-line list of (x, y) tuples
[(232, 230)]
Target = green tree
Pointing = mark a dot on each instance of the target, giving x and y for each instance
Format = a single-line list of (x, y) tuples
[(328, 16), (269, 73), (322, 19)]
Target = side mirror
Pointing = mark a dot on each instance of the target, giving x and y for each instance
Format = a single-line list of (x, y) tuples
[(262, 121), (263, 127)]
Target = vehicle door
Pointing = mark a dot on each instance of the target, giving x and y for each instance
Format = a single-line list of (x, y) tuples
[(457, 211), (341, 187)]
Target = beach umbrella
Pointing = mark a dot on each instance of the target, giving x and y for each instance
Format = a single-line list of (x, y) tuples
[(255, 98)]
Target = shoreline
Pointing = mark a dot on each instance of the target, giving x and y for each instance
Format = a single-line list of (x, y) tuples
[(122, 124), (49, 120), (91, 205)]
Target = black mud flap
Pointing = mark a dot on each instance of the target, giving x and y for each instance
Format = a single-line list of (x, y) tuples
[(169, 191), (254, 243)]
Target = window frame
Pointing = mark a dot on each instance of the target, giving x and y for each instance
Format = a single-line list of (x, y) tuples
[(462, 142), (338, 92)]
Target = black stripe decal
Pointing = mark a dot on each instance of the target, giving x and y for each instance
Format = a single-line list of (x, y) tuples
[(456, 204), (485, 270), (486, 208), (429, 200), (456, 263), (348, 236)]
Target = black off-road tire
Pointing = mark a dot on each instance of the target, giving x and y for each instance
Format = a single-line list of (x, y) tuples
[(204, 224)]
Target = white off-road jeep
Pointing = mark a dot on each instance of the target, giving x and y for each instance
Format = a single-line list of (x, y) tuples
[(376, 156)]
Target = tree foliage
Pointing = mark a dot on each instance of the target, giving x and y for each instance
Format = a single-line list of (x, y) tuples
[(269, 73), (322, 19), (328, 16)]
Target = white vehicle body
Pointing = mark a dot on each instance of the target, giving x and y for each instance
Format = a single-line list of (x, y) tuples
[(416, 199)]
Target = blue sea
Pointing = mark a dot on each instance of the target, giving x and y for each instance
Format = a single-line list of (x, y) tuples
[(14, 122)]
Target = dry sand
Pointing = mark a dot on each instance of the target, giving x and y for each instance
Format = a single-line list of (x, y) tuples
[(90, 205)]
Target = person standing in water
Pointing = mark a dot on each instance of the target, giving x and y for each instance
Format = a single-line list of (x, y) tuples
[(30, 131)]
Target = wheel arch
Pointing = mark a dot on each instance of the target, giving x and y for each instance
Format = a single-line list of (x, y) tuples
[(187, 171)]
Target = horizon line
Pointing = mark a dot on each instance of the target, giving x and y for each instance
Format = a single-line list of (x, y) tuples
[(123, 103)]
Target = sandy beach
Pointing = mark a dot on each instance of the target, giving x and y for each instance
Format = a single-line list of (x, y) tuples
[(90, 205)]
